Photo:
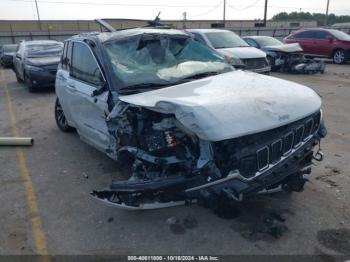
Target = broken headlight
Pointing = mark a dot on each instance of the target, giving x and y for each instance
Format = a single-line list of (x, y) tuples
[(235, 61)]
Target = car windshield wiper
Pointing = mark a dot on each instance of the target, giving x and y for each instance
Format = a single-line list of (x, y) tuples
[(201, 75), (137, 88)]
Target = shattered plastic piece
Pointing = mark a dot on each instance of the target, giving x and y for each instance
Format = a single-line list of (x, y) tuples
[(171, 220)]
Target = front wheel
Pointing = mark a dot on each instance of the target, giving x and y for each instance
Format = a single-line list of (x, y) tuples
[(19, 80), (339, 56), (60, 118), (29, 84)]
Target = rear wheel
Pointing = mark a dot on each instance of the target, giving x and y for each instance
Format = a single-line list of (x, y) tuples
[(339, 56), (60, 118)]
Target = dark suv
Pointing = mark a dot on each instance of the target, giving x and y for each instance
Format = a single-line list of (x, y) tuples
[(322, 42)]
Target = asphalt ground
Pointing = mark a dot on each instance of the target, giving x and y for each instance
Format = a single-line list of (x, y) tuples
[(46, 207)]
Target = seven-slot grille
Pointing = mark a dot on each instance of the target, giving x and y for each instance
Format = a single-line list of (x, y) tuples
[(255, 153), (271, 154)]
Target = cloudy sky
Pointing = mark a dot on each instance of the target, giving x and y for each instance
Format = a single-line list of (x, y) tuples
[(170, 9)]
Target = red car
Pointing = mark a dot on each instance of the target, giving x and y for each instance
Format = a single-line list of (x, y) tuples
[(320, 42)]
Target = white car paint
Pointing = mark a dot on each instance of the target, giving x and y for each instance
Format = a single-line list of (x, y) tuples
[(242, 52), (231, 104), (235, 52)]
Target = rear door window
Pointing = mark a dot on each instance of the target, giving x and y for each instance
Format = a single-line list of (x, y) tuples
[(322, 35), (306, 34), (64, 56), (84, 66)]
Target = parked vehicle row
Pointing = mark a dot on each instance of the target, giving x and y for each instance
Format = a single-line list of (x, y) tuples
[(233, 48), (286, 57), (35, 63)]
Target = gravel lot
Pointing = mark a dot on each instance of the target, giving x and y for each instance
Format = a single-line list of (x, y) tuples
[(63, 170)]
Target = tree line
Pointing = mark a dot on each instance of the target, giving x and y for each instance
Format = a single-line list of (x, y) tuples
[(307, 16)]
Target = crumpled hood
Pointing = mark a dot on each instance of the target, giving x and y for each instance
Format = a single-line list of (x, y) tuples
[(242, 52), (232, 104), (288, 48), (43, 61)]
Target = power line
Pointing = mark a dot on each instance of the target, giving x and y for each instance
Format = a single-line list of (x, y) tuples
[(209, 11), (244, 8), (112, 4)]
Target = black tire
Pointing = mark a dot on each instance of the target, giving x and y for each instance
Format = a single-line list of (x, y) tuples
[(29, 84), (19, 80), (272, 63), (339, 56), (61, 118)]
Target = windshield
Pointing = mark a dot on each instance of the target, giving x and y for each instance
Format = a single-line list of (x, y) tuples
[(161, 59), (44, 50), (225, 40), (9, 48), (340, 35), (268, 41)]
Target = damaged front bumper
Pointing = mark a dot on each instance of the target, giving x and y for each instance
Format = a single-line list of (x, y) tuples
[(287, 173)]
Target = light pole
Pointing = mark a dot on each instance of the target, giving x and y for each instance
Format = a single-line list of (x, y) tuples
[(326, 18), (37, 12), (265, 13), (224, 15)]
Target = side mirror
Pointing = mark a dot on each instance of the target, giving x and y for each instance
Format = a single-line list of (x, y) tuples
[(101, 88), (330, 39), (18, 56)]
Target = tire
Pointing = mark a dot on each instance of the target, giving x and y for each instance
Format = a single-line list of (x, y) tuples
[(19, 80), (339, 56), (271, 63), (61, 118), (29, 84)]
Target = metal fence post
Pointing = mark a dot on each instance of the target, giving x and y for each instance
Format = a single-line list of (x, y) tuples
[(12, 36)]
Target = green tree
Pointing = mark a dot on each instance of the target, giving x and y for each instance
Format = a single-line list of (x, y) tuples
[(306, 16)]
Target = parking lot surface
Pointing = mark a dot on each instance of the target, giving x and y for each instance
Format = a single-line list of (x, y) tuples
[(46, 207)]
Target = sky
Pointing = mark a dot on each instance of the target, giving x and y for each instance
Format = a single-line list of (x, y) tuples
[(170, 9)]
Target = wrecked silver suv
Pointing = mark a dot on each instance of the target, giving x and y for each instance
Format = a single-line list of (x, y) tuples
[(194, 128)]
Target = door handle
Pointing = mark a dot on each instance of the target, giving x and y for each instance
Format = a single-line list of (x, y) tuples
[(71, 86)]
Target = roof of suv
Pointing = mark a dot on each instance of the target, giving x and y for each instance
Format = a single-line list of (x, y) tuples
[(209, 30), (40, 42), (107, 36)]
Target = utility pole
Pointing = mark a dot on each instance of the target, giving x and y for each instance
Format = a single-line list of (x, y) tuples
[(265, 13), (184, 18), (37, 12), (326, 18), (224, 17)]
